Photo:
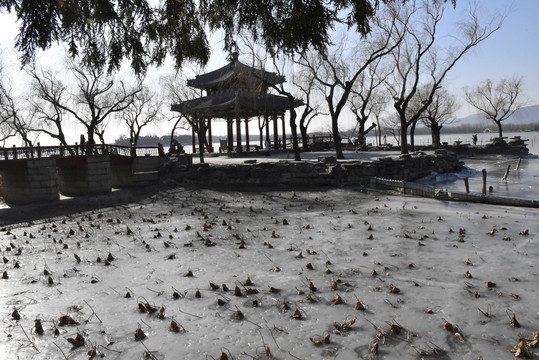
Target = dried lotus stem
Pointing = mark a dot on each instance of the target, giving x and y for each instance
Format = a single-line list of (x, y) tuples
[(38, 328), (374, 348), (214, 286), (395, 329), (174, 327), (139, 334), (323, 340), (522, 350), (161, 313), (454, 329), (77, 341), (359, 305), (188, 274), (297, 315), (512, 319), (239, 315)]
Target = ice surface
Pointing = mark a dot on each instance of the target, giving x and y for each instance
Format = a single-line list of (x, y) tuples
[(412, 244)]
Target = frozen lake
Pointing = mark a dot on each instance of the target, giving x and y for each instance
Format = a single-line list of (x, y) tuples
[(522, 183)]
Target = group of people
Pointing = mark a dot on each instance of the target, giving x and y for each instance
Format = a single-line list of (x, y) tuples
[(86, 147)]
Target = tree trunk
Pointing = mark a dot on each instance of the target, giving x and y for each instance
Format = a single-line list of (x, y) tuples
[(379, 131), (500, 133), (201, 139), (90, 133), (136, 137), (294, 130), (361, 129), (412, 134), (201, 147), (304, 138), (435, 131), (336, 137), (404, 138), (173, 130), (362, 133), (101, 136), (60, 137), (366, 132), (90, 142)]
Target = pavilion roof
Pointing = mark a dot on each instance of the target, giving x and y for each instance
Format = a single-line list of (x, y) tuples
[(232, 73), (235, 103)]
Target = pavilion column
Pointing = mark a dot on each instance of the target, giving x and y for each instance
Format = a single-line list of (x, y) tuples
[(193, 139), (284, 132), (238, 133), (266, 119), (229, 136), (247, 132), (210, 141), (275, 132)]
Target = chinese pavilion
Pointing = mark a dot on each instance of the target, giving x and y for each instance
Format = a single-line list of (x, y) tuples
[(237, 92)]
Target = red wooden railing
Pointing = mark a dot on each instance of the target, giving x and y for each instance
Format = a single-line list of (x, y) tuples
[(38, 152)]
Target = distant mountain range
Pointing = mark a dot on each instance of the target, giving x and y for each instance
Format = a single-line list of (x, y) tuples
[(525, 115)]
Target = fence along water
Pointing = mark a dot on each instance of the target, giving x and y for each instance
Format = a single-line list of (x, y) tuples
[(410, 188)]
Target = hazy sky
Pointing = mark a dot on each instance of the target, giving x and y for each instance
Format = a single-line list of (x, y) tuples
[(512, 51)]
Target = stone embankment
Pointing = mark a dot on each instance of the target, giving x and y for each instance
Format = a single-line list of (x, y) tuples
[(326, 171)]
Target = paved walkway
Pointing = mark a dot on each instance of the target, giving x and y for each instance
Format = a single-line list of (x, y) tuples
[(278, 156)]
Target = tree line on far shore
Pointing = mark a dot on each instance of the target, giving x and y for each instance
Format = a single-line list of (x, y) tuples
[(152, 140)]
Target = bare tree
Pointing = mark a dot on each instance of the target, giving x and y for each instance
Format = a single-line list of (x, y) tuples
[(11, 117), (178, 92), (262, 122), (293, 103), (48, 91), (496, 102), (93, 98), (256, 54), (378, 104), (365, 100), (391, 124), (145, 110), (16, 116), (418, 57), (98, 96), (439, 113), (304, 82), (259, 57), (5, 130), (336, 72)]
